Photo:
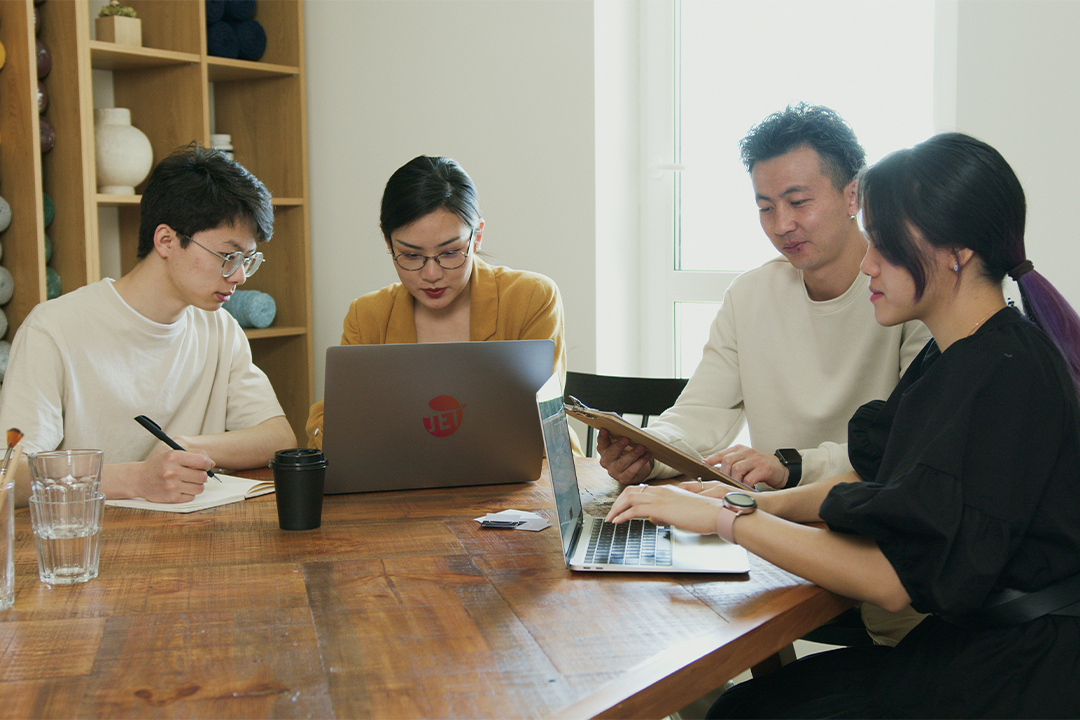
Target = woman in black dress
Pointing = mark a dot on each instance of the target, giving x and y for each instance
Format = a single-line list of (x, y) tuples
[(965, 495)]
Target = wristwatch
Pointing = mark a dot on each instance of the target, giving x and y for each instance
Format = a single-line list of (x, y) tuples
[(735, 504), (792, 460)]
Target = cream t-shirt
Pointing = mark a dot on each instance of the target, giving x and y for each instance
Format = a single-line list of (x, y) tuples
[(794, 369), (84, 365)]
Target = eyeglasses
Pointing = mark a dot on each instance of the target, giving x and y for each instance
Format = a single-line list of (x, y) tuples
[(449, 260), (233, 261)]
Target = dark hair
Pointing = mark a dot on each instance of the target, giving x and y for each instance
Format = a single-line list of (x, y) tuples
[(813, 126), (196, 189), (959, 192), (424, 185)]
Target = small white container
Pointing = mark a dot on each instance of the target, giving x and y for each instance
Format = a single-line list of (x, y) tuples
[(222, 142)]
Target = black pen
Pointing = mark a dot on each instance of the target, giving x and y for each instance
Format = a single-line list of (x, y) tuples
[(157, 432)]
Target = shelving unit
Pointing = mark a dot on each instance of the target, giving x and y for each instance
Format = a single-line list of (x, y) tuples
[(174, 91)]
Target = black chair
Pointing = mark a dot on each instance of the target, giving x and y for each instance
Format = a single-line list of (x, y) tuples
[(625, 395)]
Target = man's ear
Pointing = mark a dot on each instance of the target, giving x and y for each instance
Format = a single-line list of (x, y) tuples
[(166, 241), (851, 193)]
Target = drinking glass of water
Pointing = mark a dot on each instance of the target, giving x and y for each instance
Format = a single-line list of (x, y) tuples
[(66, 507)]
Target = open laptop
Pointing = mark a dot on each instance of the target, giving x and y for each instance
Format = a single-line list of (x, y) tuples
[(423, 415), (589, 543)]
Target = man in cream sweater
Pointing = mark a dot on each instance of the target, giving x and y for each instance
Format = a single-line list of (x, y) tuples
[(794, 349)]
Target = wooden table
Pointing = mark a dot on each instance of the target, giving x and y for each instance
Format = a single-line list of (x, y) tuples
[(399, 606)]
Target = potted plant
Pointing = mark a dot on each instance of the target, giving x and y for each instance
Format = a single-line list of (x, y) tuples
[(118, 24)]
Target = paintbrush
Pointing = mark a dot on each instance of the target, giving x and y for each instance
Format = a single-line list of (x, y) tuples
[(14, 435)]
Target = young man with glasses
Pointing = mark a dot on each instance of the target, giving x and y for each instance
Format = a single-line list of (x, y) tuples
[(152, 343)]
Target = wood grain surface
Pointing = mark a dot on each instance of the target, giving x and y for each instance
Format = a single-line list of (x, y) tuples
[(399, 606)]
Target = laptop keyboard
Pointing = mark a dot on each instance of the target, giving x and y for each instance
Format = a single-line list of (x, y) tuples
[(635, 542)]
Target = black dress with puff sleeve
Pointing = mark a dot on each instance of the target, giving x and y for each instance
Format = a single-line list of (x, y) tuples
[(971, 484)]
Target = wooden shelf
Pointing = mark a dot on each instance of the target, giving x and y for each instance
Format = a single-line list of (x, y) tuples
[(104, 200), (271, 332), (227, 70), (170, 85), (110, 56)]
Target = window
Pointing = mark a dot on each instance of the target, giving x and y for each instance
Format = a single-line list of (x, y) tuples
[(713, 70)]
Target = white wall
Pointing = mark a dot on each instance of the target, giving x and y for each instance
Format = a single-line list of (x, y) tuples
[(1016, 74), (505, 88), (538, 99)]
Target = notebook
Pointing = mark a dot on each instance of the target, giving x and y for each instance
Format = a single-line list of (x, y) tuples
[(424, 415), (589, 543), (223, 491)]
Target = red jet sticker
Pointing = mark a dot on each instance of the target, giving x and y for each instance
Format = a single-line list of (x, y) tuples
[(447, 417)]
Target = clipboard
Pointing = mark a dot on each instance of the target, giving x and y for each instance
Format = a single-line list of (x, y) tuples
[(664, 452)]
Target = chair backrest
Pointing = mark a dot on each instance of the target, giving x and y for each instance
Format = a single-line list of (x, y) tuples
[(624, 395)]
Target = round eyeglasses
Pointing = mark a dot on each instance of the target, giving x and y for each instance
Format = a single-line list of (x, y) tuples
[(233, 261), (449, 260)]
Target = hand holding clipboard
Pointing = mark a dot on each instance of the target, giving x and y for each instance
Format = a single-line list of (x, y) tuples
[(666, 453)]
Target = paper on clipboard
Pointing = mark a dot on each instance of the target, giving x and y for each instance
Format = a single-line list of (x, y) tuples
[(687, 464)]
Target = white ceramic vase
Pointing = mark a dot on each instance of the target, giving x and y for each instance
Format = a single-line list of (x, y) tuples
[(124, 155)]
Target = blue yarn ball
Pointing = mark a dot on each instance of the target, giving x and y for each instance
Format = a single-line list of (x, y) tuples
[(221, 40), (52, 284), (7, 285), (49, 211), (252, 308), (251, 38), (239, 9), (5, 214), (215, 10)]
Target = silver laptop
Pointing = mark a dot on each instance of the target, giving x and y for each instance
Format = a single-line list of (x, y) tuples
[(423, 415), (589, 543)]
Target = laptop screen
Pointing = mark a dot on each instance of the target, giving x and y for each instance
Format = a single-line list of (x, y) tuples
[(560, 458)]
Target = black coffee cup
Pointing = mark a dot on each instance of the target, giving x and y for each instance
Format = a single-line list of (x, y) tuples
[(298, 486)]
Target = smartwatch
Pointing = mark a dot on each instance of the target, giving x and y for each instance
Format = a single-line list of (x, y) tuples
[(735, 504), (792, 460)]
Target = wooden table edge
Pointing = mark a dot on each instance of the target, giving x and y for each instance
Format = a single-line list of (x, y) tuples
[(654, 689)]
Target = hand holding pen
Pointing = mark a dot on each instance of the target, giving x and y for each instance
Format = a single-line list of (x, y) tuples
[(157, 432)]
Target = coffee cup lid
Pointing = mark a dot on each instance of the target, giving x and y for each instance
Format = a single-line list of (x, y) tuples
[(298, 456)]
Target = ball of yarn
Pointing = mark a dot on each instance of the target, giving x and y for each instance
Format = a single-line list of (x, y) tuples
[(5, 350), (7, 285), (52, 283), (252, 308), (49, 209), (215, 10), (48, 135), (44, 60), (5, 214), (221, 40), (239, 9), (3, 55), (3, 323), (251, 39), (48, 249), (42, 98)]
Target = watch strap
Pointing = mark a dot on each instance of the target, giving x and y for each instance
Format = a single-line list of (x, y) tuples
[(725, 524), (794, 467)]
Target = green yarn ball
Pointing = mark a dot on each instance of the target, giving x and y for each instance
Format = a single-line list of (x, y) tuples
[(50, 209), (48, 249), (52, 283)]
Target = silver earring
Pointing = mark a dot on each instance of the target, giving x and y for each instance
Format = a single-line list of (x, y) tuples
[(956, 267)]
